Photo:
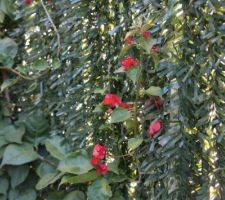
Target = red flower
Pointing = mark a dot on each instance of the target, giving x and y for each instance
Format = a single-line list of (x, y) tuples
[(94, 161), (154, 128), (99, 151), (27, 2), (102, 169), (157, 102), (109, 111), (130, 39), (126, 106), (112, 100), (128, 62), (155, 49), (146, 34)]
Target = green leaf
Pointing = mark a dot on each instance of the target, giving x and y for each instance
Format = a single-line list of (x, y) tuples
[(13, 134), (4, 185), (113, 166), (154, 91), (15, 154), (99, 190), (75, 195), (8, 51), (18, 174), (36, 123), (7, 6), (55, 147), (76, 163), (56, 63), (120, 115), (3, 141), (27, 194), (8, 83), (40, 65), (45, 168), (133, 74), (48, 179), (147, 44), (2, 16), (83, 178), (134, 143)]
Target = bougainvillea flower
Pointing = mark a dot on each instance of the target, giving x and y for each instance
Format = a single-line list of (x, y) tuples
[(94, 160), (128, 62), (102, 169), (99, 151), (155, 48), (28, 2), (154, 128), (130, 39), (126, 106), (112, 100), (147, 102), (157, 102), (146, 34)]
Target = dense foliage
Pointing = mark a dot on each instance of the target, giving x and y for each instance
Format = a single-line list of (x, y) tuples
[(112, 99)]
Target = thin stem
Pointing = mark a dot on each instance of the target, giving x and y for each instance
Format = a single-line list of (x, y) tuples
[(17, 73), (136, 125), (47, 161), (5, 77), (54, 27)]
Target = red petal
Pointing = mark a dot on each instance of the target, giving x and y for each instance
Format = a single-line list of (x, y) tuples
[(146, 34), (128, 62), (154, 128), (130, 39), (99, 151), (102, 169), (126, 106), (94, 161), (111, 100)]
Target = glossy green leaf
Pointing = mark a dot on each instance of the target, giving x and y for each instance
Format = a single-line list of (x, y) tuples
[(4, 185), (83, 178), (8, 83), (154, 91), (133, 74), (27, 194), (15, 154), (120, 115), (48, 179), (134, 143), (55, 147), (13, 134), (76, 163), (40, 65), (18, 174), (100, 190), (75, 195)]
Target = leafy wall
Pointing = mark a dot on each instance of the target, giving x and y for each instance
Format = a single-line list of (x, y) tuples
[(59, 59)]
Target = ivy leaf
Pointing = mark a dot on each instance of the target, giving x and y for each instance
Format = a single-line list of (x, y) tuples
[(14, 134), (154, 91), (133, 74), (55, 148), (134, 143), (18, 174), (48, 179), (15, 154), (56, 63), (75, 163), (83, 178), (100, 190), (120, 115), (75, 195), (4, 185), (8, 51), (27, 194)]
